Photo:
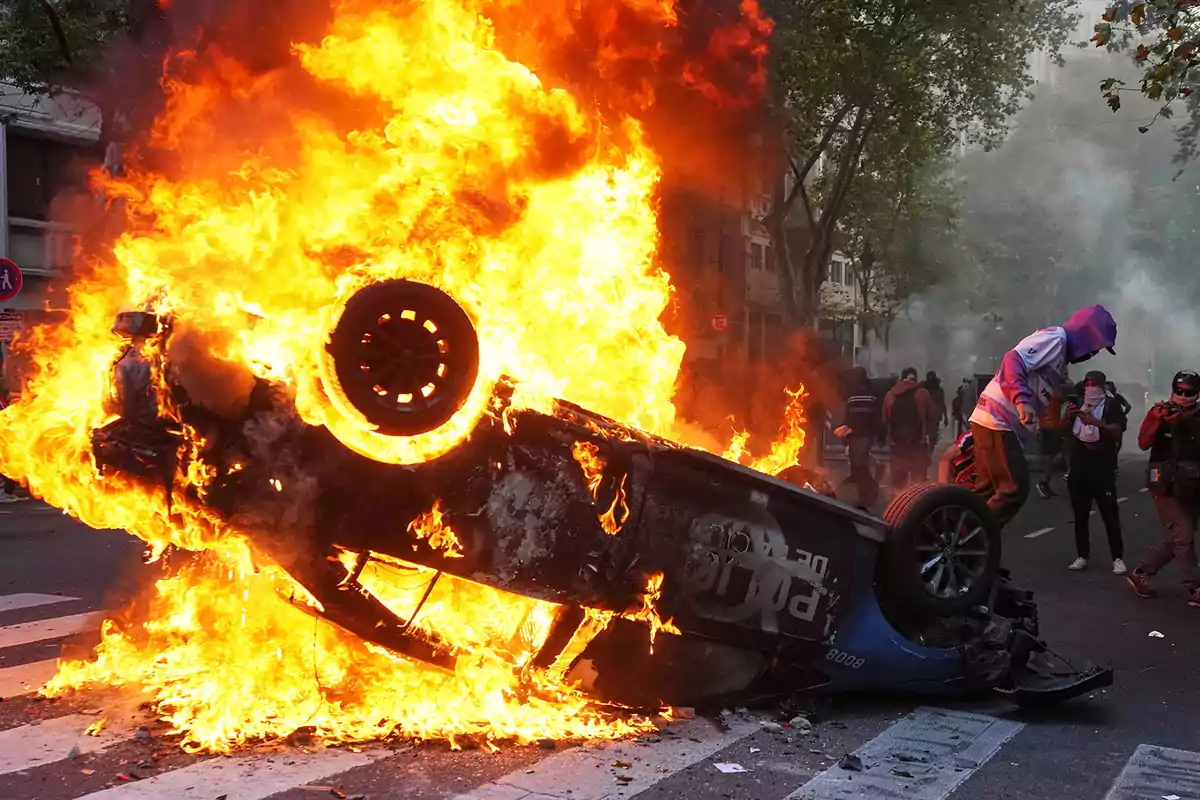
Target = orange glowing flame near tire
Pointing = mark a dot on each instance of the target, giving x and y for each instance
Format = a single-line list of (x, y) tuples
[(587, 455), (430, 527), (450, 163)]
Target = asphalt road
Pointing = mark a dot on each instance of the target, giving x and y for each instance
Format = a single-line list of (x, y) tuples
[(1139, 739)]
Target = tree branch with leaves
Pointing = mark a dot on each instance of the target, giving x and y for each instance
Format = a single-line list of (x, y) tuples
[(1163, 39), (848, 71)]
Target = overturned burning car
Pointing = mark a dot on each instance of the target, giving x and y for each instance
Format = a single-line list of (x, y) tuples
[(751, 585)]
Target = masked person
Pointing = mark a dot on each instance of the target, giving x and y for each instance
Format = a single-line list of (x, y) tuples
[(1013, 400), (1097, 425), (1171, 432), (907, 410), (859, 430)]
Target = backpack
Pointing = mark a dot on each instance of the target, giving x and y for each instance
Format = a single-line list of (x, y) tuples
[(906, 418)]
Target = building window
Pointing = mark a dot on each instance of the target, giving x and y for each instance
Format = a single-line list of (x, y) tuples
[(835, 272), (768, 258), (850, 275), (757, 256), (38, 169)]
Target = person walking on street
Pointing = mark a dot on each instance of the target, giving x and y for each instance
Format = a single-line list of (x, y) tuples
[(1013, 400), (859, 431), (1052, 438), (1171, 432), (1097, 425), (907, 409), (964, 402), (937, 394), (956, 411)]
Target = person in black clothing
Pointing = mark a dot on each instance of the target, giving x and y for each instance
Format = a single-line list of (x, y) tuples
[(1171, 432), (933, 385), (964, 404), (1126, 406), (1097, 422), (862, 426)]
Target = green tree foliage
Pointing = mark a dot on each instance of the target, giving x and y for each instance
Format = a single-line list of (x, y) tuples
[(1163, 39), (1061, 216), (54, 46), (854, 79)]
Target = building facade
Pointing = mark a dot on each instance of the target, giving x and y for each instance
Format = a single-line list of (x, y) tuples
[(45, 147)]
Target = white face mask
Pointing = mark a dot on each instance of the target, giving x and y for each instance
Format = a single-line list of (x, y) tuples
[(1186, 402), (1092, 393)]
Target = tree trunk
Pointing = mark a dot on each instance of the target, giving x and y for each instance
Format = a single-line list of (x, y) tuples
[(820, 244), (777, 227)]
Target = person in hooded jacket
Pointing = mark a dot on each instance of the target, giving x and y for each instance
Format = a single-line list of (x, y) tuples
[(1171, 432), (907, 410), (1009, 407)]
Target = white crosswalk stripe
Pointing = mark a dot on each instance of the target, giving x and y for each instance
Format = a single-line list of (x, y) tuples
[(54, 628), (583, 773), (16, 602), (927, 755), (241, 778), (50, 741), (1153, 773), (25, 678)]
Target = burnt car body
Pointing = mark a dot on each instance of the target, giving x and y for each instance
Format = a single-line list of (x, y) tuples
[(772, 586)]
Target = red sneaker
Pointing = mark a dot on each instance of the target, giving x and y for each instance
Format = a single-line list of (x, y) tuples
[(1140, 582)]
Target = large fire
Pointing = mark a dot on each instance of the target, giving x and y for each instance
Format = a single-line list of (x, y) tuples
[(450, 153)]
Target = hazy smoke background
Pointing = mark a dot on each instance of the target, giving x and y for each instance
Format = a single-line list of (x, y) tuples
[(1077, 207)]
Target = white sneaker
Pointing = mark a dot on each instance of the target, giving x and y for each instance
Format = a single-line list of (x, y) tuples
[(1119, 566), (1078, 564)]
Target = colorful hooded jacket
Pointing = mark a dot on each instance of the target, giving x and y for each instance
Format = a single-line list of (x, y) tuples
[(1033, 371)]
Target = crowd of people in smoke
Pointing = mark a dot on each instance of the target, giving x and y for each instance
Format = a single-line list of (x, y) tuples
[(1076, 429)]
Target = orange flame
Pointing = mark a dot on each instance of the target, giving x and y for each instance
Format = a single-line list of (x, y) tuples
[(648, 611), (430, 527), (445, 161), (587, 455), (785, 448)]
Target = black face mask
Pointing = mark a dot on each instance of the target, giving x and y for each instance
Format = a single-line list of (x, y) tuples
[(1085, 357)]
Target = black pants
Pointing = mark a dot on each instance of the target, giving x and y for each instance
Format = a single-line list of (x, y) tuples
[(1002, 473), (1054, 454), (1095, 482), (858, 452)]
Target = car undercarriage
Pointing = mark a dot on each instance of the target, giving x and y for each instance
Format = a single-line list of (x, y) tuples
[(751, 585)]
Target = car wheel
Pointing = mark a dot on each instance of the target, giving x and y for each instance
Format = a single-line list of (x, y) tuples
[(405, 356), (942, 552)]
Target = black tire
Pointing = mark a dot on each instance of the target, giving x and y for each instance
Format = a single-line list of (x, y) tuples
[(405, 355), (924, 568)]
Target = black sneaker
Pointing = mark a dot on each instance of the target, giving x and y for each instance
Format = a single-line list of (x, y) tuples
[(1046, 490), (1140, 582)]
